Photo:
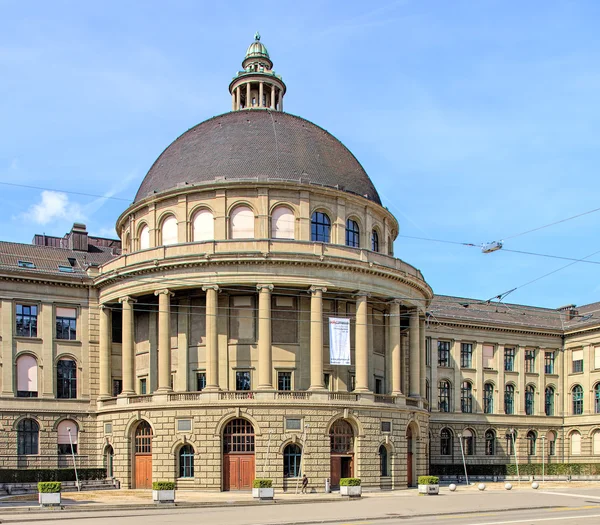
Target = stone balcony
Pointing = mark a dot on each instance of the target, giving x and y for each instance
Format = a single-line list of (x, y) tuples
[(253, 397)]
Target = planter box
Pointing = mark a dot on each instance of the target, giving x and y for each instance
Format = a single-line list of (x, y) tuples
[(351, 492), (429, 489), (163, 496), (49, 499), (263, 493)]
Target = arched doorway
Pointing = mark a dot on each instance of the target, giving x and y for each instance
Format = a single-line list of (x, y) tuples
[(341, 437), (238, 455), (410, 456), (109, 455), (143, 456)]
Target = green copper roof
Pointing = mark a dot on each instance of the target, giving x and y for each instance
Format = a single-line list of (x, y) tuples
[(257, 48)]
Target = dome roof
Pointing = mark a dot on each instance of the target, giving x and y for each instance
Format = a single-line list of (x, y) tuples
[(257, 49), (257, 145)]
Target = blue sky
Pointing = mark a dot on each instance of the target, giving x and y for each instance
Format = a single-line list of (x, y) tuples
[(475, 120)]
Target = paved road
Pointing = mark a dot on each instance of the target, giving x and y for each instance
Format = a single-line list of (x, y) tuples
[(549, 507)]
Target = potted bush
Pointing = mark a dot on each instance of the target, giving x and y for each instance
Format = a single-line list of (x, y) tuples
[(49, 493), (263, 489), (350, 487), (429, 485), (163, 491)]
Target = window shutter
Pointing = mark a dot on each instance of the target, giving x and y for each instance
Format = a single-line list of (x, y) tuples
[(204, 226), (596, 443), (488, 356), (145, 238), (282, 223), (242, 223), (63, 433), (169, 231), (577, 355), (575, 443), (27, 374), (597, 358), (71, 313)]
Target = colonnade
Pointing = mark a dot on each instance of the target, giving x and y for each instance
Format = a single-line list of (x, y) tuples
[(275, 100), (416, 376)]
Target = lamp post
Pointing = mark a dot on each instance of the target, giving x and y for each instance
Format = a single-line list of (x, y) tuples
[(543, 457), (512, 435), (302, 451), (73, 456), (462, 451)]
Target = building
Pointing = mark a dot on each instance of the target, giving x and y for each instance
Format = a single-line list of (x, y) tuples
[(196, 348)]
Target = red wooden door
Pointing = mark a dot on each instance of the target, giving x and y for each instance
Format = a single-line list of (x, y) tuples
[(238, 471), (409, 469), (246, 472), (143, 472), (336, 471)]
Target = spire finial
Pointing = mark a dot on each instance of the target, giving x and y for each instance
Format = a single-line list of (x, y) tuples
[(257, 36)]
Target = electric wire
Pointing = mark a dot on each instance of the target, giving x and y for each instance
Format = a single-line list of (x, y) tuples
[(14, 184)]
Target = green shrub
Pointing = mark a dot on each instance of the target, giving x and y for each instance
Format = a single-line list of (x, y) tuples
[(49, 486), (525, 469), (163, 485), (259, 483), (350, 482), (61, 474), (428, 480)]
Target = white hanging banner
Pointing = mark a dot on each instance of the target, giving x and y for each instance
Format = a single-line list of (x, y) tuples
[(339, 341)]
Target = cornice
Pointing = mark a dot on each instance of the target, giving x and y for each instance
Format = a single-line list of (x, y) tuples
[(498, 328), (88, 283)]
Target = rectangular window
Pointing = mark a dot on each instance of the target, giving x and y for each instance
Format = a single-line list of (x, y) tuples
[(378, 324), (597, 358), (200, 381), (117, 387), (66, 323), (198, 321), (379, 385), (549, 362), (488, 357), (386, 426), (242, 380), (443, 353), (66, 379), (529, 361), (428, 351), (241, 319), (509, 359), (284, 381), (577, 361), (143, 386), (117, 325), (327, 381), (284, 323), (466, 355), (27, 320), (293, 423), (108, 428), (351, 382)]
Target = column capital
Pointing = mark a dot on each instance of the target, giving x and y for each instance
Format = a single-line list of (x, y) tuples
[(359, 295), (127, 299), (399, 302), (211, 287), (316, 289), (164, 291), (261, 287)]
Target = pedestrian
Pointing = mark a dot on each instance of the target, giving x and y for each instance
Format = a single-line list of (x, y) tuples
[(304, 484)]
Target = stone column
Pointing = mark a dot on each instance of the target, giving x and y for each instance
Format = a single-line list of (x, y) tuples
[(164, 340), (414, 364), (362, 344), (212, 342), (105, 351), (272, 97), (281, 101), (316, 338), (238, 98), (233, 101), (394, 348), (422, 368), (248, 96), (261, 92), (265, 358), (127, 347)]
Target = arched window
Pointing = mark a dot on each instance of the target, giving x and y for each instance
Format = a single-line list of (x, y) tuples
[(27, 376), (143, 438), (468, 441), (488, 398), (169, 231), (446, 442), (204, 226), (66, 379), (511, 440), (597, 399), (596, 443), (320, 227), (109, 456), (292, 455), (577, 394), (490, 442), (466, 397), (186, 461), (238, 436), (575, 443), (444, 396), (64, 440), (352, 234), (241, 223), (28, 433), (531, 440), (144, 238), (283, 223), (551, 438), (374, 241), (529, 400), (509, 399), (549, 401), (341, 437), (384, 468)]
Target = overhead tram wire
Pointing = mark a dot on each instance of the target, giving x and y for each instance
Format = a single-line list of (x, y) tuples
[(30, 187)]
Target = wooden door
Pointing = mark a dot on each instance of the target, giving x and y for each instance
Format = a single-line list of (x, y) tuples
[(336, 471), (238, 471), (409, 464), (143, 472)]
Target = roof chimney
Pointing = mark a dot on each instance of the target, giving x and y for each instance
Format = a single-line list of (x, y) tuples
[(78, 238), (570, 310)]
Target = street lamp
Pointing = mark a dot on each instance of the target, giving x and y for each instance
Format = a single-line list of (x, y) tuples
[(543, 457), (512, 433), (73, 456), (462, 451)]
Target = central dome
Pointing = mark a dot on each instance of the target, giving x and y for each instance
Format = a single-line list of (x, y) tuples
[(258, 145)]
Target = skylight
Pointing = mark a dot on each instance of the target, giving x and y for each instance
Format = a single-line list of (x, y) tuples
[(26, 264), (65, 269)]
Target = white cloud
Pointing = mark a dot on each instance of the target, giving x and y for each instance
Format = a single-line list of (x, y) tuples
[(54, 205)]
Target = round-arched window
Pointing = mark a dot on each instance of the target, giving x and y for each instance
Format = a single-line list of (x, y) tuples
[(203, 226), (341, 437), (352, 234), (144, 238), (241, 223), (320, 227), (169, 231), (282, 223)]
